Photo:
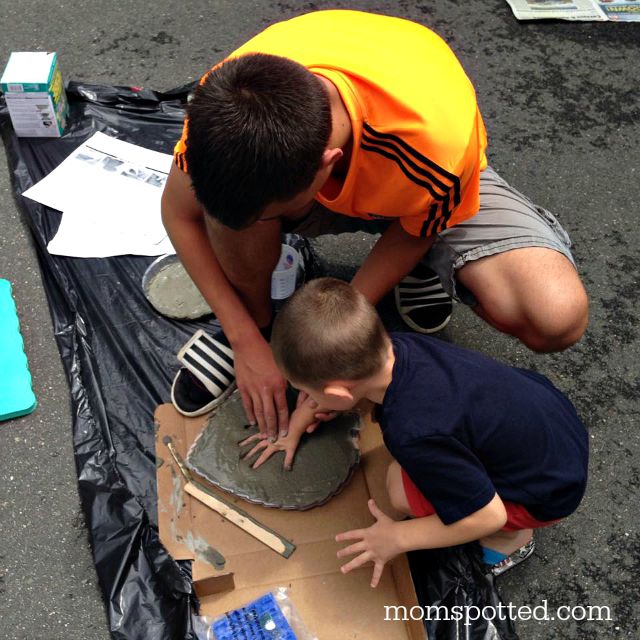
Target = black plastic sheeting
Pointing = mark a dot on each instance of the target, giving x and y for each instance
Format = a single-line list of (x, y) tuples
[(119, 356), (463, 599)]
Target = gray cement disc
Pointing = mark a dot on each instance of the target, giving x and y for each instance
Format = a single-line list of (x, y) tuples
[(324, 462), (171, 291)]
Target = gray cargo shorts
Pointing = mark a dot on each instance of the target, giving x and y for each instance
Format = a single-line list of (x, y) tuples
[(506, 220)]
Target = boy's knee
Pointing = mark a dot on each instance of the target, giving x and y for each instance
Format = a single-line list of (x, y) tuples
[(395, 489), (558, 323), (533, 294)]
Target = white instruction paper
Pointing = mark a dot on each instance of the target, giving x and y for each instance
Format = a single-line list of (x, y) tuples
[(109, 192)]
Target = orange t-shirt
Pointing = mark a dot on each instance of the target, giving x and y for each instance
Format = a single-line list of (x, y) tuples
[(418, 137)]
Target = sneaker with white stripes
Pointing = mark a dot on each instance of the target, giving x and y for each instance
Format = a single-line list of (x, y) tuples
[(422, 302), (514, 559), (208, 375)]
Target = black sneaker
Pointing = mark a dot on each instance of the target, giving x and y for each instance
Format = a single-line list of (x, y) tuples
[(208, 376), (422, 302)]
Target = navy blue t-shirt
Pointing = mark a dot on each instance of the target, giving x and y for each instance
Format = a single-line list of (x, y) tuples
[(464, 427)]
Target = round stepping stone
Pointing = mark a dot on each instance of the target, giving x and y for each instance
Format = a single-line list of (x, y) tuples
[(324, 461)]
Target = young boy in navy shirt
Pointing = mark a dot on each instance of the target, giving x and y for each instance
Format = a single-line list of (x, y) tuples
[(483, 451)]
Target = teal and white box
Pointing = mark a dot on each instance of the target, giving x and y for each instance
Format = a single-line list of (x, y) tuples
[(34, 92)]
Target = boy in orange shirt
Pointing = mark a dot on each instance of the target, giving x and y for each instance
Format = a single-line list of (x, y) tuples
[(372, 120)]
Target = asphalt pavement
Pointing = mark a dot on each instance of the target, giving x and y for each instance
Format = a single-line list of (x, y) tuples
[(561, 102)]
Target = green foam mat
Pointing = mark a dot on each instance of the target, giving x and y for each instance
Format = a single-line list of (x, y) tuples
[(16, 395)]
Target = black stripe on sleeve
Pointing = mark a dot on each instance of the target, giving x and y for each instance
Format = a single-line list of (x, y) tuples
[(419, 170), (446, 215), (425, 230), (398, 161), (418, 156), (444, 199)]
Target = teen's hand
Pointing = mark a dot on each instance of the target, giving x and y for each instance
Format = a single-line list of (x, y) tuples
[(376, 544), (320, 416), (262, 388)]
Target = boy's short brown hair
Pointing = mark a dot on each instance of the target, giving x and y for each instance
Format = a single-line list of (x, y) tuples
[(328, 331), (258, 126)]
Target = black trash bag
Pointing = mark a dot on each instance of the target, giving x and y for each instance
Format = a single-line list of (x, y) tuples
[(119, 357), (453, 579)]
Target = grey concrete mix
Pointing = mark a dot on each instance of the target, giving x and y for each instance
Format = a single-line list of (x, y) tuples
[(171, 291), (323, 464), (562, 107)]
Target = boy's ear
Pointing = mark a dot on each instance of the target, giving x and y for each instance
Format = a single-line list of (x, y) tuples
[(331, 156), (338, 391)]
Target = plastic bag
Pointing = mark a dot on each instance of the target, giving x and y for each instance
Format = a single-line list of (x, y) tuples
[(119, 358), (271, 617), (455, 579)]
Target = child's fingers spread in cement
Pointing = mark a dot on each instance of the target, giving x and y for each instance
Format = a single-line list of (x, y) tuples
[(245, 441), (312, 427), (264, 456), (261, 445), (325, 416), (288, 459)]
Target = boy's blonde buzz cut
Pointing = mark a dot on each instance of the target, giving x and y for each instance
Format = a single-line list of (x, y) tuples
[(328, 331)]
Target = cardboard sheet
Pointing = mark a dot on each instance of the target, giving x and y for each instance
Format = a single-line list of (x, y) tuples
[(332, 605)]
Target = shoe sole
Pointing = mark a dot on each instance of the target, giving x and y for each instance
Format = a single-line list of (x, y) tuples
[(410, 323), (207, 408)]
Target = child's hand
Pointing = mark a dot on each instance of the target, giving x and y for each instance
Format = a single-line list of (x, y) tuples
[(320, 416), (377, 544), (300, 421), (288, 444)]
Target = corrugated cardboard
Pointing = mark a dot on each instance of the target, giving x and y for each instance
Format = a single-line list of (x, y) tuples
[(332, 605)]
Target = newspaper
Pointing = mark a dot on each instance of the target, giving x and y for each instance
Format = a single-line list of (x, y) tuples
[(617, 10)]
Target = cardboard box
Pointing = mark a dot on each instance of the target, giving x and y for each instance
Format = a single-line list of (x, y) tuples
[(332, 605), (34, 91)]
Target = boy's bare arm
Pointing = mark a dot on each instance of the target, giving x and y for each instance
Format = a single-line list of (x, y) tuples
[(431, 530), (183, 219), (261, 383), (387, 538), (391, 259)]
